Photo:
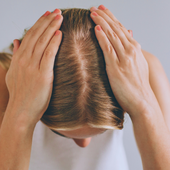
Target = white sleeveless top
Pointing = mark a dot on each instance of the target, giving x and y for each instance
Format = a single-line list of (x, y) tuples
[(53, 152)]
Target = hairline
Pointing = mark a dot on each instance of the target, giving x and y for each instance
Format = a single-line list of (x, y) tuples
[(72, 138)]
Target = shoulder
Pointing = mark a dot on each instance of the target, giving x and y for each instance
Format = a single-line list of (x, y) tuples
[(156, 71), (155, 67), (151, 59)]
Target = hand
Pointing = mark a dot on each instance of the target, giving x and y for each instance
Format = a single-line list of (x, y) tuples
[(126, 66), (30, 76)]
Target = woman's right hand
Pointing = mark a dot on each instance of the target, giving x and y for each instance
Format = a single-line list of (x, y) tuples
[(30, 76), (126, 66)]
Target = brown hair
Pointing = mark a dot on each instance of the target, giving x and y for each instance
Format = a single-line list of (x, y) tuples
[(81, 91)]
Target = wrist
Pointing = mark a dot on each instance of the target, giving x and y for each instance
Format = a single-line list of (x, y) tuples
[(18, 118), (147, 107), (15, 139)]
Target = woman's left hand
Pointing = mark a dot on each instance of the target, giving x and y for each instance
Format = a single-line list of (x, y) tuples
[(126, 66)]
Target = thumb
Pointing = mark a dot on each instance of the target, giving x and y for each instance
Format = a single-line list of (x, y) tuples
[(131, 32), (16, 45)]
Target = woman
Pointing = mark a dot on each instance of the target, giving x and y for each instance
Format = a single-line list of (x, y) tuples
[(124, 63)]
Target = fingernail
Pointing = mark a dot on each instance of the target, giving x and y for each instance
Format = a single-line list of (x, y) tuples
[(47, 13), (56, 11), (131, 32), (98, 27), (94, 13), (94, 9), (57, 32), (102, 7), (58, 17)]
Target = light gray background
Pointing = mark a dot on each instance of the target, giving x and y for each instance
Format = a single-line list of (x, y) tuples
[(149, 20)]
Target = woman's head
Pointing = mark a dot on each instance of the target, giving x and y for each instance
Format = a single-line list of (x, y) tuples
[(82, 103), (81, 93)]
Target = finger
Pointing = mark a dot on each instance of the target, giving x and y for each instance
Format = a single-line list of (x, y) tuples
[(44, 40), (113, 25), (108, 50), (16, 45), (47, 61), (36, 30), (111, 35), (28, 33), (110, 14)]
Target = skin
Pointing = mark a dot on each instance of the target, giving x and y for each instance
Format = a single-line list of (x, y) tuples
[(125, 62)]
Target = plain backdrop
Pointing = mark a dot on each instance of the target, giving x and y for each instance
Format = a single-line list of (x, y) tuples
[(149, 20)]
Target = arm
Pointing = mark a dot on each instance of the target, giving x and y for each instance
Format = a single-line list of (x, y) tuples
[(151, 129), (29, 81), (151, 126), (15, 141), (152, 136), (159, 84), (128, 74)]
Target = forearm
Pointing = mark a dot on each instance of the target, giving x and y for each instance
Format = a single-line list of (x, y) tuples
[(153, 139), (15, 142)]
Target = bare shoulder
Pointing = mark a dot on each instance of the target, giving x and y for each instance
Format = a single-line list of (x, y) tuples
[(156, 70), (155, 66), (151, 59), (146, 53)]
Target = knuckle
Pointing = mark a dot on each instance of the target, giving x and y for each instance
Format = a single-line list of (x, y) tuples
[(128, 62), (25, 52), (116, 25), (109, 48), (111, 34), (120, 24), (51, 16), (122, 35), (131, 51), (32, 32), (42, 40), (53, 24), (48, 53)]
